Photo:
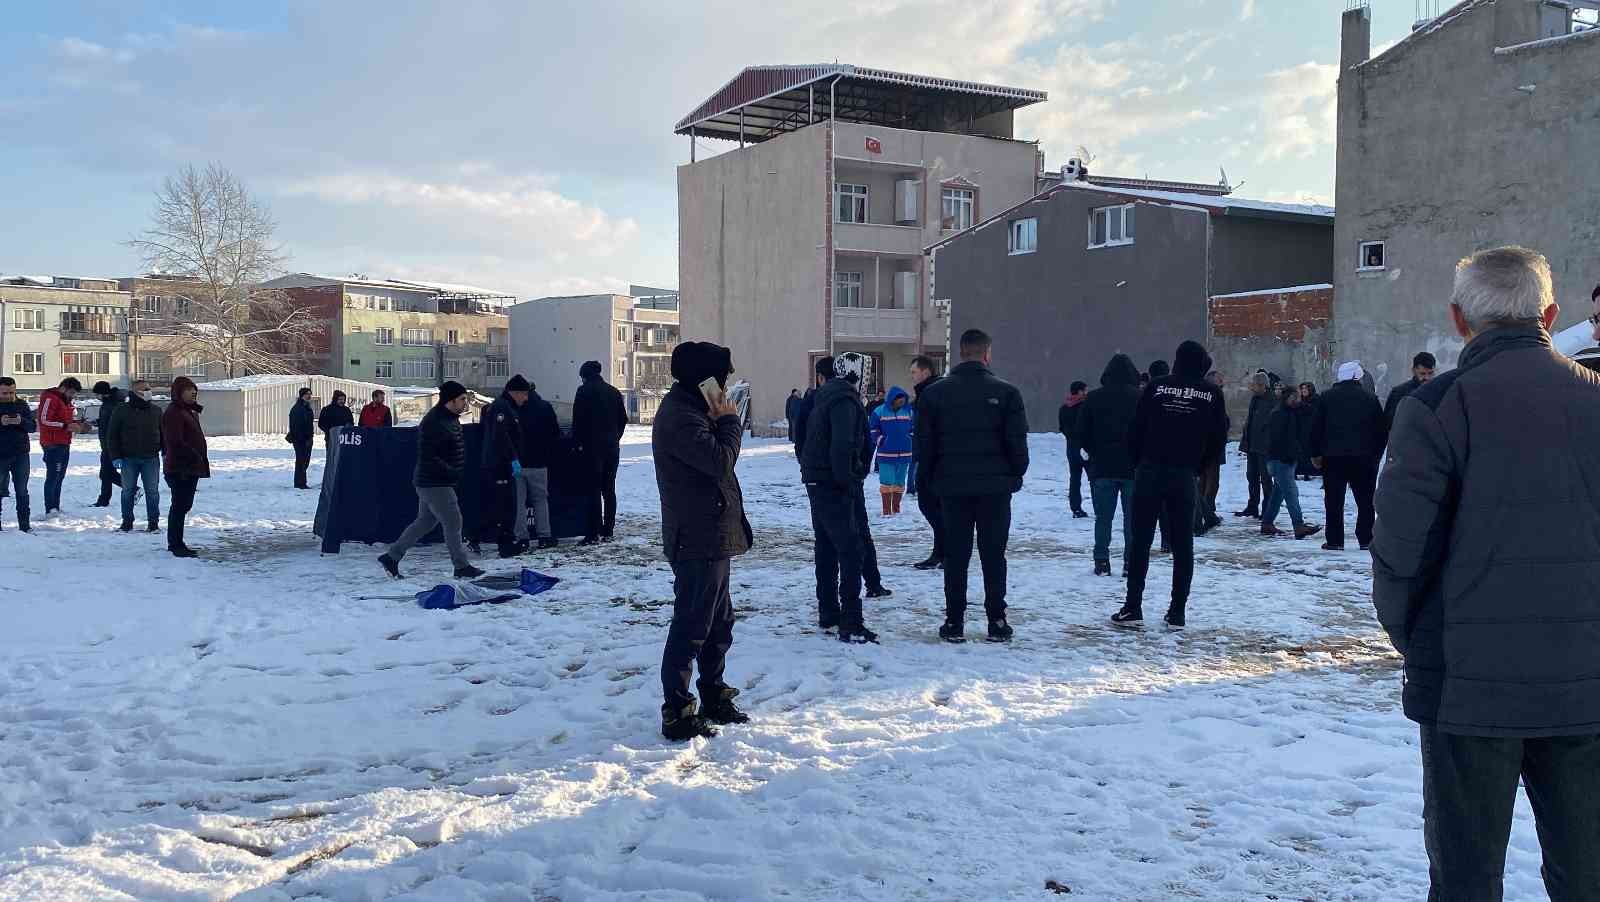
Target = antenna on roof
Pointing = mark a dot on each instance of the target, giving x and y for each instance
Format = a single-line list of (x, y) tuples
[(1224, 182)]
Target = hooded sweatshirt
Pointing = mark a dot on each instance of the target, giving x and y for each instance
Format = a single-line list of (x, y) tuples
[(1104, 418), (183, 441), (891, 429), (1182, 421)]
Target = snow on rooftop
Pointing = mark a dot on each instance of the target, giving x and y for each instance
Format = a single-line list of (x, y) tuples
[(241, 383), (1246, 294), (1210, 201)]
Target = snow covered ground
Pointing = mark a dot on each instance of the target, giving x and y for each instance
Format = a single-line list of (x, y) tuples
[(274, 724)]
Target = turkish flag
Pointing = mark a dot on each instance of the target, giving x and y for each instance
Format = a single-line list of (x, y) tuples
[(874, 146)]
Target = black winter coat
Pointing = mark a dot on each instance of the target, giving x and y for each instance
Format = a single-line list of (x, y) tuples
[(1396, 395), (838, 449), (599, 418), (702, 506), (134, 430), (1106, 416), (502, 436), (14, 436), (441, 450), (971, 434), (332, 417), (108, 407), (541, 433), (1348, 423), (1257, 436), (1283, 445), (302, 422), (1067, 422), (1484, 556), (802, 421), (1181, 422)]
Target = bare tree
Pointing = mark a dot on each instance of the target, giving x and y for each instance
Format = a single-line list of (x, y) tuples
[(208, 228)]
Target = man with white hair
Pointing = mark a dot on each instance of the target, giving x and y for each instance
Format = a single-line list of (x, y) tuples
[(1348, 432), (1483, 577)]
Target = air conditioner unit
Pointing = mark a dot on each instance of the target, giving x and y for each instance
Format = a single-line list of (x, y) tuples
[(905, 290), (907, 194)]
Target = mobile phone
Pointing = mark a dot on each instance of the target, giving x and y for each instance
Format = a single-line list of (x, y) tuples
[(711, 390)]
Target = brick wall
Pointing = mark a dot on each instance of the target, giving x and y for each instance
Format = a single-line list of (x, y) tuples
[(1285, 315)]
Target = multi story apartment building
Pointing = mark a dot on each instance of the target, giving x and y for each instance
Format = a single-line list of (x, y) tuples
[(58, 327), (407, 333), (632, 338), (808, 238), (158, 304)]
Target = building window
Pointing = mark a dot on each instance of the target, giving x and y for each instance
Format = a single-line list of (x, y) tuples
[(960, 206), (452, 337), (154, 365), (416, 338), (452, 369), (1024, 236), (1111, 226), (355, 361), (622, 333), (27, 364), (180, 307), (1373, 256), (195, 368), (26, 320), (382, 336), (497, 368), (88, 363), (847, 289), (152, 304), (355, 328), (383, 369), (851, 202), (416, 369)]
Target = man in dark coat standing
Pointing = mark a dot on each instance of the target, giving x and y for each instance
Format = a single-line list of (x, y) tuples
[(695, 442), (184, 460), (441, 458), (541, 440), (133, 439), (1067, 420), (110, 399), (1483, 578), (924, 374), (1254, 442), (1205, 511), (599, 418), (972, 432), (1348, 433), (1102, 429), (16, 424), (791, 409), (1180, 427), (502, 468), (1422, 367), (302, 432)]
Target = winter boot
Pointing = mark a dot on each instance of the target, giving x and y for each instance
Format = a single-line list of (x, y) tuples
[(720, 708), (1000, 630), (684, 724), (127, 524), (878, 592), (856, 633), (953, 631), (1102, 568), (1326, 546), (22, 521), (1301, 532), (1080, 515), (184, 551), (1248, 512), (932, 563), (1131, 617), (154, 526), (1174, 619), (468, 572), (390, 565), (1268, 529)]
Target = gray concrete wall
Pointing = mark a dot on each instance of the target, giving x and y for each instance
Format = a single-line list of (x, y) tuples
[(552, 337), (1257, 254), (1440, 154)]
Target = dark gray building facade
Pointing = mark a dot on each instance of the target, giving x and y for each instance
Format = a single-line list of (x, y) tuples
[(1101, 271)]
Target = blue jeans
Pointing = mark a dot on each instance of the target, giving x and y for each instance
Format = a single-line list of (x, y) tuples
[(148, 471), (14, 470), (55, 473), (1285, 492), (1103, 493)]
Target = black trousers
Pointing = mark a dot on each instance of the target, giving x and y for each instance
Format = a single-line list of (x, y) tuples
[(497, 508), (302, 462), (1469, 792), (933, 511), (109, 478), (603, 495), (1075, 478), (1260, 481), (843, 552), (990, 517), (1165, 493), (183, 489), (1206, 488), (701, 632), (1360, 475)]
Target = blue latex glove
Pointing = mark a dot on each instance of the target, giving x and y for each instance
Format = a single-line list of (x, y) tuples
[(117, 463), (516, 468)]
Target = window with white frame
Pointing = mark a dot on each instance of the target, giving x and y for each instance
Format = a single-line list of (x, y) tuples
[(152, 303), (383, 369), (452, 337), (27, 364), (417, 338), (850, 202), (195, 368), (452, 369), (180, 307), (1111, 226), (1374, 256), (847, 289), (497, 368), (26, 319), (383, 336), (154, 364), (416, 369), (1024, 236), (88, 363), (959, 208)]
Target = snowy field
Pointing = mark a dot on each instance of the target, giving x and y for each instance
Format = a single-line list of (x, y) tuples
[(272, 724)]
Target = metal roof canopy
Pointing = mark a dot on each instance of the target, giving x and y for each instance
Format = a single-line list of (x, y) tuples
[(763, 102)]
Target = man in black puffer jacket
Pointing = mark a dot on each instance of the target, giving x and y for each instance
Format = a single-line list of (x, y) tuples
[(1348, 432), (441, 458), (1102, 430), (972, 441), (110, 399), (1483, 577), (502, 468), (836, 459), (599, 418), (1254, 443), (1181, 426), (541, 440)]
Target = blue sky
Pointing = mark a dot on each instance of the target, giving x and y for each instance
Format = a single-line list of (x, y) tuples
[(529, 146)]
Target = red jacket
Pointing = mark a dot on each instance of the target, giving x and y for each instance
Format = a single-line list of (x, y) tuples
[(183, 441), (55, 415), (376, 416)]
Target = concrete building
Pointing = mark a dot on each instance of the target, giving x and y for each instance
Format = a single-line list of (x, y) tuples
[(51, 328), (1081, 271), (632, 337), (807, 239), (1479, 129), (158, 304), (398, 333)]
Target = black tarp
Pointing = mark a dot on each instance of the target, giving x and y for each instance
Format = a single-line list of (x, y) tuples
[(367, 494)]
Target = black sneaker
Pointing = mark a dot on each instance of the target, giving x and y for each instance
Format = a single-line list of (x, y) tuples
[(1174, 620), (685, 725), (153, 527), (722, 710), (184, 551), (390, 564), (953, 632), (1130, 618), (1248, 512), (1102, 568), (932, 563), (102, 504), (1329, 546), (827, 624), (468, 572), (1080, 515), (879, 592), (857, 634), (127, 526), (1000, 630)]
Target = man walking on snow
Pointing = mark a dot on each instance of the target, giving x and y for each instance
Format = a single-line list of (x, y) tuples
[(1483, 578), (441, 457), (1283, 455)]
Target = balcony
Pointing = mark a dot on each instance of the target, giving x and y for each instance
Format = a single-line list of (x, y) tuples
[(872, 238), (70, 335), (866, 324)]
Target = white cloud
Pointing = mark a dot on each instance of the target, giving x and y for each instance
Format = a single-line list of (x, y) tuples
[(1248, 11), (1299, 111), (78, 50)]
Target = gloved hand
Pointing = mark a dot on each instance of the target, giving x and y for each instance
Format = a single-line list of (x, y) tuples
[(117, 463), (516, 468)]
